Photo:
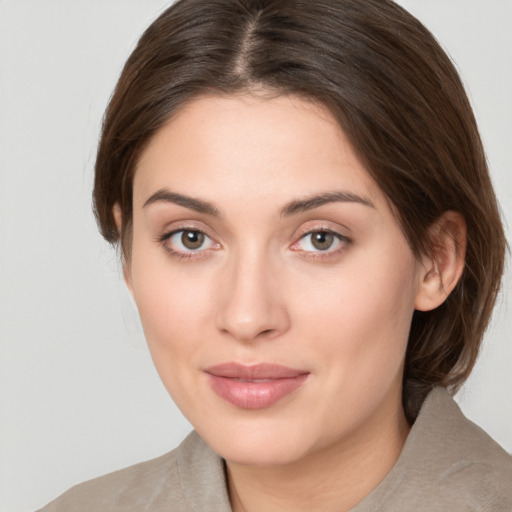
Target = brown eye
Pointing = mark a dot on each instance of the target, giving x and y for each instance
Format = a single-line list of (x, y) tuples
[(187, 242), (322, 240), (192, 240)]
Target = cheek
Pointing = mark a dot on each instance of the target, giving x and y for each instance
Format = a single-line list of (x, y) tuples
[(362, 311), (174, 305), (171, 309), (173, 315)]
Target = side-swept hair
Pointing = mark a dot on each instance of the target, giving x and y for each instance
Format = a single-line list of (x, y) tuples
[(396, 95)]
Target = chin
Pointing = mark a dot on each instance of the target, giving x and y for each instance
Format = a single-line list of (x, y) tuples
[(259, 443), (249, 454)]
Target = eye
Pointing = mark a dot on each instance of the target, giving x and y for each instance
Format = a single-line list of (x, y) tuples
[(187, 241), (321, 240)]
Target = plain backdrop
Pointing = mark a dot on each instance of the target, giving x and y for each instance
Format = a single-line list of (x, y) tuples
[(79, 396)]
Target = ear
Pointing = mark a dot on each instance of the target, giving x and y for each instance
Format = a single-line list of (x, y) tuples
[(118, 218), (442, 268)]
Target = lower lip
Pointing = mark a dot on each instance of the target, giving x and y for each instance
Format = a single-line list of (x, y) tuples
[(255, 395)]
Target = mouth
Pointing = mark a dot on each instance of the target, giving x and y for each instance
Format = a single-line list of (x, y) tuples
[(254, 386)]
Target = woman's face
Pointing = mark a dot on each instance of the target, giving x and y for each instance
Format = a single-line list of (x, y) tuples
[(274, 285)]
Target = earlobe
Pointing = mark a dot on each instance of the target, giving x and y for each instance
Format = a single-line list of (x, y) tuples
[(443, 267), (118, 217), (127, 275)]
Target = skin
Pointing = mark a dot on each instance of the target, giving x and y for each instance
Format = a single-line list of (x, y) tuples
[(258, 290)]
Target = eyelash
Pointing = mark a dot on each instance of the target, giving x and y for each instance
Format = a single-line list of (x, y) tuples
[(179, 254), (202, 253), (328, 253)]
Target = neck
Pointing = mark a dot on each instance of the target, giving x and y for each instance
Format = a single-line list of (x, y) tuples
[(333, 479)]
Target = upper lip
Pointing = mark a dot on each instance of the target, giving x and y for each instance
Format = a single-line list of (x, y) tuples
[(259, 371)]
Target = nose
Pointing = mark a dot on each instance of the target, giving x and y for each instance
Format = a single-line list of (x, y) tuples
[(252, 305)]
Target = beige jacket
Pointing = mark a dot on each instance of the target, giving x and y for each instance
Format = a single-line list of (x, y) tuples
[(448, 464)]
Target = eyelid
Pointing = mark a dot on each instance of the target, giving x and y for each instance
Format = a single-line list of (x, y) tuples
[(339, 236), (170, 228), (315, 227), (344, 241), (186, 254), (171, 232)]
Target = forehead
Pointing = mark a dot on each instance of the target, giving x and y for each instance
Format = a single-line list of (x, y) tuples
[(251, 145)]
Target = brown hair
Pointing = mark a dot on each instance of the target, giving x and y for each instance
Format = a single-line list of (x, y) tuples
[(397, 97)]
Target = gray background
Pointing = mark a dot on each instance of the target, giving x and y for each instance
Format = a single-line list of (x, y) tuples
[(78, 393)]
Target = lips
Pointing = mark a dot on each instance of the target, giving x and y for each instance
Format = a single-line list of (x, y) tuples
[(255, 386)]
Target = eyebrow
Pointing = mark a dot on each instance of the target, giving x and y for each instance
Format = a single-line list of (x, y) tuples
[(191, 203), (309, 203), (292, 208)]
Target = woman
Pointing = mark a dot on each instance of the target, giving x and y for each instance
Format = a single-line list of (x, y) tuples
[(311, 237)]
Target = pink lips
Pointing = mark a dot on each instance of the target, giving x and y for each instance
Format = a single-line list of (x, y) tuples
[(256, 386)]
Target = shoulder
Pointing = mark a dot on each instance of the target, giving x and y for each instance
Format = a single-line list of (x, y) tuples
[(163, 483), (447, 463), (143, 482), (475, 469), (455, 461)]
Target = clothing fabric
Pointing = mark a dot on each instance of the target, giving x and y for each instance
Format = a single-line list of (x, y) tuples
[(447, 464)]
